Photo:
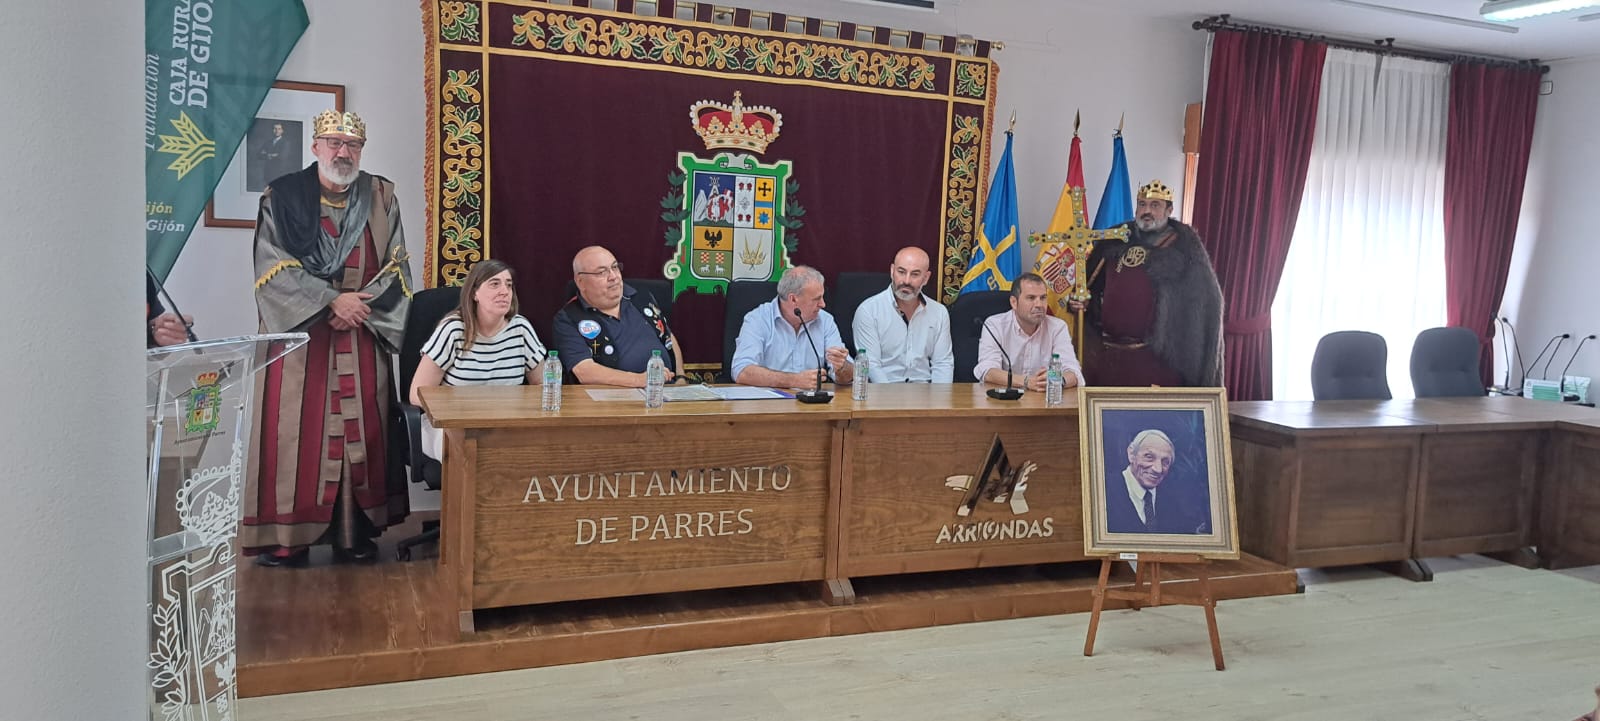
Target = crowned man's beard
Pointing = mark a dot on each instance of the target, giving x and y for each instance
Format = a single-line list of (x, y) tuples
[(341, 172), (1151, 225)]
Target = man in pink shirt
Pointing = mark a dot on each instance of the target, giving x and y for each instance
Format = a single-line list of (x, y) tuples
[(1029, 336)]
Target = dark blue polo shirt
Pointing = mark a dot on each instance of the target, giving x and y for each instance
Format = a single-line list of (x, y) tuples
[(633, 336)]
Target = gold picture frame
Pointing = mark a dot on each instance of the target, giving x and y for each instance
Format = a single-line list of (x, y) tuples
[(1174, 440)]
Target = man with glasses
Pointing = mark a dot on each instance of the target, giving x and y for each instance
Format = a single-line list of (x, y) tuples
[(330, 261), (606, 332)]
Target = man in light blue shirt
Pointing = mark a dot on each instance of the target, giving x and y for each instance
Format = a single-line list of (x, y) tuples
[(773, 350), (906, 336)]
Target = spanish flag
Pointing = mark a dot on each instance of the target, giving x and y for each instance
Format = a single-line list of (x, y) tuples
[(996, 255), (1055, 262)]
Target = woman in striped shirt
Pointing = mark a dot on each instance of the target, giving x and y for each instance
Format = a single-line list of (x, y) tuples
[(484, 342)]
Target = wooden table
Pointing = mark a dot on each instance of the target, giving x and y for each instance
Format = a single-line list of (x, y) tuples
[(611, 499), (907, 441), (1344, 482), (1569, 508)]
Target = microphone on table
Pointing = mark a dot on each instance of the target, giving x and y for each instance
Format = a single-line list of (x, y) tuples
[(816, 395), (1010, 393), (1537, 358), (1522, 370), (1562, 339), (1505, 344), (1568, 367)]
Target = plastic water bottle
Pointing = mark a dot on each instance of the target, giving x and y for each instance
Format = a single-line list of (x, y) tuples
[(655, 381), (858, 387), (1052, 381), (552, 382)]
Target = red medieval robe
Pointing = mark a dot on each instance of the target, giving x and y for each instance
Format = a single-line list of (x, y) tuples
[(320, 472)]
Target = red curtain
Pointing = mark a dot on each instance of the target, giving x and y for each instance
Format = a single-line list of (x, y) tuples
[(1255, 147), (1485, 164)]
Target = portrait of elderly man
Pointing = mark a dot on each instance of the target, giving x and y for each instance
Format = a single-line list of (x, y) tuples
[(1149, 494)]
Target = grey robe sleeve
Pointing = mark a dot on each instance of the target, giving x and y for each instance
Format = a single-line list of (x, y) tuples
[(287, 296), (392, 288)]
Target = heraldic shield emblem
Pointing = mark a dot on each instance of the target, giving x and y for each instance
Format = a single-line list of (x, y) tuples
[(731, 217)]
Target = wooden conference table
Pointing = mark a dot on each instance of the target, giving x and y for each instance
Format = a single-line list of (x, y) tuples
[(608, 499), (1344, 482)]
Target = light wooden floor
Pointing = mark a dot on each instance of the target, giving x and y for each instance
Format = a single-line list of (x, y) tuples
[(1483, 641)]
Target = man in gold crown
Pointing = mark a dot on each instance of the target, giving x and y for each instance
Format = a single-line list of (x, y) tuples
[(1155, 313), (330, 261)]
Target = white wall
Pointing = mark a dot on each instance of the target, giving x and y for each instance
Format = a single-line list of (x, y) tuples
[(1058, 58), (73, 626), (1552, 286), (374, 49)]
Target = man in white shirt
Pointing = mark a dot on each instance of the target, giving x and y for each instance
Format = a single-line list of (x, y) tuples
[(1029, 335), (906, 336), (773, 350)]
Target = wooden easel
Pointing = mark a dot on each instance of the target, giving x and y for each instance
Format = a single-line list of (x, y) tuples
[(1149, 568)]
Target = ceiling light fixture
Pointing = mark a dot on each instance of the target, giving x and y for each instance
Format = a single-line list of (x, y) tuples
[(1511, 10), (1435, 17)]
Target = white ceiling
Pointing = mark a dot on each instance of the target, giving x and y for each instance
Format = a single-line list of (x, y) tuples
[(1547, 38)]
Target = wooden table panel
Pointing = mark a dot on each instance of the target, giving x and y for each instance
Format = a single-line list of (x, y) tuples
[(900, 516), (1476, 492), (1355, 499), (1263, 469), (629, 508), (1568, 534)]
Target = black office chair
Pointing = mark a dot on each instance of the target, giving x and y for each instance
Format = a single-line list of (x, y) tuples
[(966, 327), (743, 297), (658, 288), (849, 289), (1350, 365), (1444, 363), (428, 307)]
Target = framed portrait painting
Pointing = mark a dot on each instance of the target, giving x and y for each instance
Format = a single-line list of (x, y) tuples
[(1158, 473), (277, 143)]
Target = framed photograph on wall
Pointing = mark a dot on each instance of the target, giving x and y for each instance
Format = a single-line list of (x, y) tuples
[(1157, 472), (278, 143)]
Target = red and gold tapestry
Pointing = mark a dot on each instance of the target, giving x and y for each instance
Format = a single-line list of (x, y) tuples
[(700, 150)]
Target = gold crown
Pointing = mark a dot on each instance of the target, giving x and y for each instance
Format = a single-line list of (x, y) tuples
[(333, 121), (207, 378), (735, 126), (1156, 190)]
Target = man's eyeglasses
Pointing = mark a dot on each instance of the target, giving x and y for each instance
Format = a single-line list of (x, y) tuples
[(335, 144), (603, 272)]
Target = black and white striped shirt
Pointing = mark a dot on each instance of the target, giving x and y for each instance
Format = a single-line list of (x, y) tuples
[(503, 360)]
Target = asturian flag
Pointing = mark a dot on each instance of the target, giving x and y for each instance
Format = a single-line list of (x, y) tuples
[(1116, 203), (996, 257), (1055, 261)]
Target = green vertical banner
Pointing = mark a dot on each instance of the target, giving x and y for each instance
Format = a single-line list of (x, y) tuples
[(208, 64)]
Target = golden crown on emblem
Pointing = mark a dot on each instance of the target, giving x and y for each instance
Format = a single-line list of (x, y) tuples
[(735, 126), (333, 121), (1156, 190), (207, 378)]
